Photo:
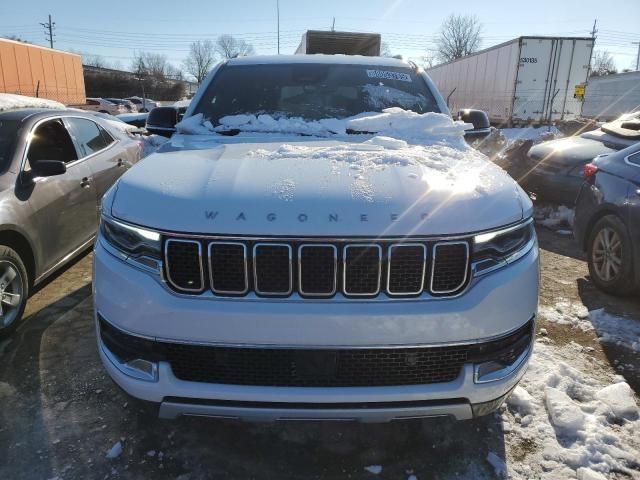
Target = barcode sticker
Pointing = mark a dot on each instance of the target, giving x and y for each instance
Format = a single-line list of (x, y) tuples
[(387, 75)]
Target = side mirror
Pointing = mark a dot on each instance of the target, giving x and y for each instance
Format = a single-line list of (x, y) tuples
[(48, 168), (479, 120), (162, 121)]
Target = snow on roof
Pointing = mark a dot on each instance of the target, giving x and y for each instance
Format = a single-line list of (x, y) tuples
[(317, 58), (9, 101)]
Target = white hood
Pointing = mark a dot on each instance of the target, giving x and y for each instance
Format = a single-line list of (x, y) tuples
[(381, 187)]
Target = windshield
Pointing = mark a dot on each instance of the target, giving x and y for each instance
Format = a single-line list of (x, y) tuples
[(313, 91), (8, 134)]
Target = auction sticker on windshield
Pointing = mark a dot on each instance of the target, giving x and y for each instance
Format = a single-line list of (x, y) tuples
[(387, 75)]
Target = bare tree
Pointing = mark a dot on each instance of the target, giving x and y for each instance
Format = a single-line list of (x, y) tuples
[(428, 60), (151, 64), (459, 36), (200, 59), (385, 50), (95, 61), (602, 63), (227, 46)]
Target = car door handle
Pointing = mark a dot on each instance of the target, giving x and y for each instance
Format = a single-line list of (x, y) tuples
[(120, 163), (85, 182)]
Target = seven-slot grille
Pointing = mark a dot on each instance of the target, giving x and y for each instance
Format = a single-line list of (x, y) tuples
[(315, 269)]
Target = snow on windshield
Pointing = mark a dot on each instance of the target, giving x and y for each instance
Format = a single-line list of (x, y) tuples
[(9, 101), (415, 128)]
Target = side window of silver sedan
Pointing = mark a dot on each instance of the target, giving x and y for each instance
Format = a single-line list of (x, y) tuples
[(90, 136), (51, 141)]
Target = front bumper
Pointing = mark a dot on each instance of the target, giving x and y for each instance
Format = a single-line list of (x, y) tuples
[(139, 305)]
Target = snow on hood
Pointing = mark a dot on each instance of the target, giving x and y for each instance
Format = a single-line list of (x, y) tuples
[(9, 101), (381, 186), (417, 128)]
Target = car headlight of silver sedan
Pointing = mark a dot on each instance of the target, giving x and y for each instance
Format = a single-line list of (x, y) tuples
[(136, 245), (496, 249)]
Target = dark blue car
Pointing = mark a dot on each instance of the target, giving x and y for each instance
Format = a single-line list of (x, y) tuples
[(607, 220)]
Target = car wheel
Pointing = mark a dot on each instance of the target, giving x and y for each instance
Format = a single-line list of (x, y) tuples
[(14, 289), (610, 258)]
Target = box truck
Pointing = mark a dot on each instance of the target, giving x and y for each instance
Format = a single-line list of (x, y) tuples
[(528, 80), (346, 43), (36, 71), (609, 96)]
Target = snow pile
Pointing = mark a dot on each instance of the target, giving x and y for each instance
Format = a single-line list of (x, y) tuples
[(9, 101), (152, 143), (554, 217), (579, 425), (621, 331), (566, 312), (425, 128)]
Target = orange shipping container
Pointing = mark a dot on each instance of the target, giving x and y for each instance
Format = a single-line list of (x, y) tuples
[(36, 71)]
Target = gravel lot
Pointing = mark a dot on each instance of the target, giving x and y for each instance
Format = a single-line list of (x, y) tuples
[(61, 413)]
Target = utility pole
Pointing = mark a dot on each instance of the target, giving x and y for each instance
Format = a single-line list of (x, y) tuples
[(333, 25), (638, 56), (48, 33), (594, 30), (278, 14)]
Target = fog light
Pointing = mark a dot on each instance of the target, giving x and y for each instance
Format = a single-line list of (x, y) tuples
[(492, 371), (137, 368)]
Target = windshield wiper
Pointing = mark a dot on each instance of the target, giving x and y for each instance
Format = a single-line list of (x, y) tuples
[(232, 132), (351, 131)]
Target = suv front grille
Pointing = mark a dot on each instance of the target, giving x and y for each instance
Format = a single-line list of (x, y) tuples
[(304, 367), (317, 269), (316, 368)]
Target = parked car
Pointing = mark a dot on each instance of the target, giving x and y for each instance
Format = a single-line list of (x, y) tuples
[(557, 165), (55, 165), (607, 220), (280, 260), (101, 105), (162, 120), (128, 104), (135, 119), (143, 105)]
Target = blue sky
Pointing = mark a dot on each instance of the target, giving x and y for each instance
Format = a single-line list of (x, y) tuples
[(115, 29)]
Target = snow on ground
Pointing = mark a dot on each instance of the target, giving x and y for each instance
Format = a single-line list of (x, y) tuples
[(554, 217), (182, 103), (576, 425), (610, 328), (9, 101)]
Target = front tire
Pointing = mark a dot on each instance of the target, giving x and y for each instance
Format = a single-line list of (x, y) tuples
[(610, 258), (14, 290)]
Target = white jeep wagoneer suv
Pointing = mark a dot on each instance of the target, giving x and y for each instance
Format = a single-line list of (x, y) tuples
[(316, 241)]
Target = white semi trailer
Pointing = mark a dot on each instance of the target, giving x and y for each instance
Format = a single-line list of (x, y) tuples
[(528, 80), (609, 96)]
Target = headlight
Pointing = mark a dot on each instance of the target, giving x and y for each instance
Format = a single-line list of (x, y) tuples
[(496, 249), (130, 243)]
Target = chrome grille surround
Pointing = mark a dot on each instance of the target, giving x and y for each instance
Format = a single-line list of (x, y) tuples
[(345, 251), (390, 266), (385, 249), (335, 269), (256, 281), (434, 257), (212, 245), (167, 246)]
